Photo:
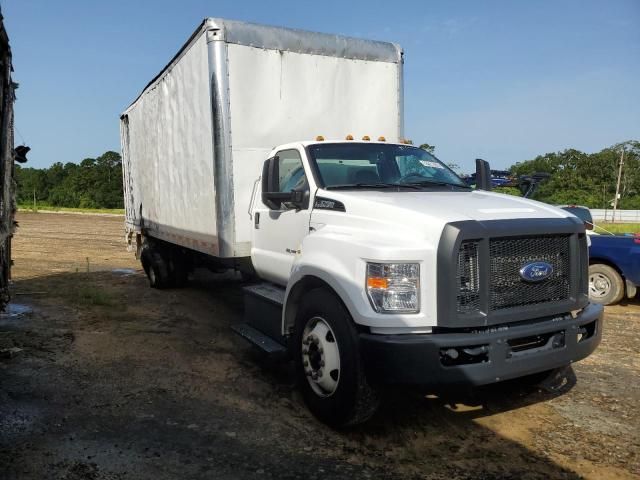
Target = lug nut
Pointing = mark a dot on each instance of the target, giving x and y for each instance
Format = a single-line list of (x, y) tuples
[(316, 340), (305, 363), (314, 376), (305, 350), (319, 373)]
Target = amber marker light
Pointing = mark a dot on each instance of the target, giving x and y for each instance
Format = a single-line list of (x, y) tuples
[(376, 282), (366, 138), (319, 138), (382, 139), (349, 137)]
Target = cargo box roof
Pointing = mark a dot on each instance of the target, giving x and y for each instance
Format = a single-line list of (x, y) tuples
[(289, 40)]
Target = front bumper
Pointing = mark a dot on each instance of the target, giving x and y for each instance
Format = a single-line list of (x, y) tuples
[(484, 356)]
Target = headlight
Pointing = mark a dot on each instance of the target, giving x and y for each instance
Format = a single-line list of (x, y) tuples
[(394, 287)]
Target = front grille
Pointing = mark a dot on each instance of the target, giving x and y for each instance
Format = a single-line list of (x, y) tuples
[(468, 278), (508, 255), (506, 288)]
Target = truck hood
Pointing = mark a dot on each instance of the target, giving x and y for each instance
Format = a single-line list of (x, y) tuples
[(410, 211)]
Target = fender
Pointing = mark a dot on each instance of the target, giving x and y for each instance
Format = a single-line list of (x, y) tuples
[(337, 258)]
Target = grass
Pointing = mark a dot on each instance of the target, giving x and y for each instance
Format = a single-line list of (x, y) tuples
[(93, 296), (618, 227), (50, 208), (89, 293)]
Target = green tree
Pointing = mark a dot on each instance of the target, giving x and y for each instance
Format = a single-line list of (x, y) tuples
[(587, 179), (94, 183)]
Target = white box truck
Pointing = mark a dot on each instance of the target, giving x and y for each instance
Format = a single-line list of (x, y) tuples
[(376, 263)]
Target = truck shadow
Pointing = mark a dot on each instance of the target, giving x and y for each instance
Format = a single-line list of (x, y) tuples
[(406, 401), (414, 435)]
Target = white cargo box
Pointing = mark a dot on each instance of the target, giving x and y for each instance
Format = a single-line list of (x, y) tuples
[(194, 141)]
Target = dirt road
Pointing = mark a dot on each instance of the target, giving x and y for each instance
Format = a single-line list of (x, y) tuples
[(108, 379)]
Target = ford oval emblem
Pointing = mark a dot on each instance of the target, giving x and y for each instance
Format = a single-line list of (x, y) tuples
[(536, 271)]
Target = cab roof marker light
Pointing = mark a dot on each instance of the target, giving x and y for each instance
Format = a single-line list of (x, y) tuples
[(382, 139), (349, 137), (319, 138), (366, 138)]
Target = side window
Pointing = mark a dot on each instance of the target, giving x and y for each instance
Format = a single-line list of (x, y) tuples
[(291, 172)]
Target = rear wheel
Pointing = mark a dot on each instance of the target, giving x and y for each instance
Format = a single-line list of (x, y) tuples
[(329, 368), (605, 284), (156, 267)]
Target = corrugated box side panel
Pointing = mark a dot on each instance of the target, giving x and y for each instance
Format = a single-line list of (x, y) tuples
[(279, 97), (170, 148)]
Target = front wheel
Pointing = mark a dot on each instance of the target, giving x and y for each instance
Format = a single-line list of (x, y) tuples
[(605, 284), (329, 368)]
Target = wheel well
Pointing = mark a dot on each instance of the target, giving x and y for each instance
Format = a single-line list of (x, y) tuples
[(303, 285)]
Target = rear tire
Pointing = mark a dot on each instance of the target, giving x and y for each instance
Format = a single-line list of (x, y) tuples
[(606, 286), (156, 267), (329, 367)]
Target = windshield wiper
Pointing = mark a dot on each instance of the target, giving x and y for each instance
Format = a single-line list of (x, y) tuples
[(423, 183), (348, 186)]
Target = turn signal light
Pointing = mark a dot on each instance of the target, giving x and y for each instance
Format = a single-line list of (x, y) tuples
[(377, 282)]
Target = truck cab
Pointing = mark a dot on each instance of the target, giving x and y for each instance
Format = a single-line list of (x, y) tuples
[(393, 270)]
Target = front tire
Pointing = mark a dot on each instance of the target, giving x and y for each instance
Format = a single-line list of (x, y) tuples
[(329, 368), (605, 284)]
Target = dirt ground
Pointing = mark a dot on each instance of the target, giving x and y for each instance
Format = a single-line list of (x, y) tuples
[(105, 378)]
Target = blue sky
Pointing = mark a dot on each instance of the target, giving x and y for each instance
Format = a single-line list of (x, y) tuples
[(501, 80)]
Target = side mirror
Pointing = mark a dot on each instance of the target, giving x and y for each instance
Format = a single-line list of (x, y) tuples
[(274, 200), (270, 173), (271, 196), (483, 175)]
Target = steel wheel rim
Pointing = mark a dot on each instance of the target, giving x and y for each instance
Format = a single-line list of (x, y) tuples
[(599, 285), (321, 357)]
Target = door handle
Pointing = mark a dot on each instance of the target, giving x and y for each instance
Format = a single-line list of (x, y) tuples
[(256, 220)]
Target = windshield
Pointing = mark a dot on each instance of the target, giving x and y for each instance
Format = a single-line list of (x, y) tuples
[(345, 165)]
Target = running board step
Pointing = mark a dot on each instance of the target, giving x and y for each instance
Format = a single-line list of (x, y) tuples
[(259, 339), (266, 292), (263, 310)]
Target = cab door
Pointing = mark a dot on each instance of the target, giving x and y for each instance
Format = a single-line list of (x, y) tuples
[(278, 230)]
